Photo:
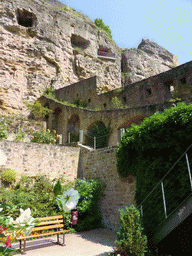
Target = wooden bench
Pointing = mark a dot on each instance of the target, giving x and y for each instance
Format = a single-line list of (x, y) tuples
[(46, 223)]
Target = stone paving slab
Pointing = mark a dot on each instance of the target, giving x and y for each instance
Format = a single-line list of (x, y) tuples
[(97, 242)]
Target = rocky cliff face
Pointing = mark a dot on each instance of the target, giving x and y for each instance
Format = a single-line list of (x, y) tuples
[(147, 60), (44, 43)]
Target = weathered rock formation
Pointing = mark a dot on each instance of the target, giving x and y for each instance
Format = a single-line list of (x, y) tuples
[(44, 43), (147, 60)]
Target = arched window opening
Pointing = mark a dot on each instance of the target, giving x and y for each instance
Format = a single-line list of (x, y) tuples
[(97, 135), (183, 80), (73, 127), (148, 90), (46, 116), (55, 120)]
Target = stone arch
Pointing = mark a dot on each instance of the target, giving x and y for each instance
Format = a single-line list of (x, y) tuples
[(26, 18), (137, 119), (73, 126), (55, 120), (98, 130), (46, 119)]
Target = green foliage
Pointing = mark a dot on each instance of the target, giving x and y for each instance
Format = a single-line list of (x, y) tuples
[(116, 102), (150, 149), (101, 132), (8, 176), (80, 103), (38, 110), (19, 136), (130, 240), (88, 211), (42, 136), (36, 194), (3, 128), (49, 92), (100, 24), (57, 189)]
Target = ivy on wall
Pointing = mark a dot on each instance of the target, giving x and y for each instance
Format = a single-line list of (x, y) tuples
[(150, 149)]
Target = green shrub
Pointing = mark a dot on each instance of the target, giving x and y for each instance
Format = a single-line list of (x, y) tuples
[(57, 189), (117, 102), (49, 92), (80, 103), (42, 136), (130, 240), (8, 176), (89, 216), (3, 129), (100, 24), (101, 132), (37, 194), (19, 136), (38, 110)]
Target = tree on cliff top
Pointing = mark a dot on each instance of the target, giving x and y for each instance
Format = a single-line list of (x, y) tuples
[(100, 24)]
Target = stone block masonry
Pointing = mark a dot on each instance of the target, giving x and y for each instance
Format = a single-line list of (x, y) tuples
[(31, 159), (119, 192)]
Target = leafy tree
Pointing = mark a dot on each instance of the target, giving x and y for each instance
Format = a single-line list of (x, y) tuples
[(100, 24)]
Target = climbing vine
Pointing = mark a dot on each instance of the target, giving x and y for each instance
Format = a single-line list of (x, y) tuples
[(150, 149)]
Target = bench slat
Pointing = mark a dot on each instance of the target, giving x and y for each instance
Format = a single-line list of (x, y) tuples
[(49, 222), (45, 234), (48, 227), (50, 217)]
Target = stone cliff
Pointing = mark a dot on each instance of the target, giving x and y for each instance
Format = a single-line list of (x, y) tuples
[(147, 60), (44, 43)]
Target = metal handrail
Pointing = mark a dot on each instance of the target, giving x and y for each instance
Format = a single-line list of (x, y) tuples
[(159, 220), (165, 175)]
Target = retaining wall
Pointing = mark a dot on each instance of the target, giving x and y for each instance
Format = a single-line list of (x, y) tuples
[(32, 159), (119, 192)]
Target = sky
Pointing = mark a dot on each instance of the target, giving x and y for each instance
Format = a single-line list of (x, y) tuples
[(166, 22)]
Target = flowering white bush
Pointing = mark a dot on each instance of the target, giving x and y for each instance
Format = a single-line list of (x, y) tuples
[(68, 200), (26, 221)]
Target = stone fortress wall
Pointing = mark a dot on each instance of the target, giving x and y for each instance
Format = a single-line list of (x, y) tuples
[(152, 90), (138, 101)]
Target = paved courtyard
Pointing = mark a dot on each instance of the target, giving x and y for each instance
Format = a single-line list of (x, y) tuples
[(95, 242)]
